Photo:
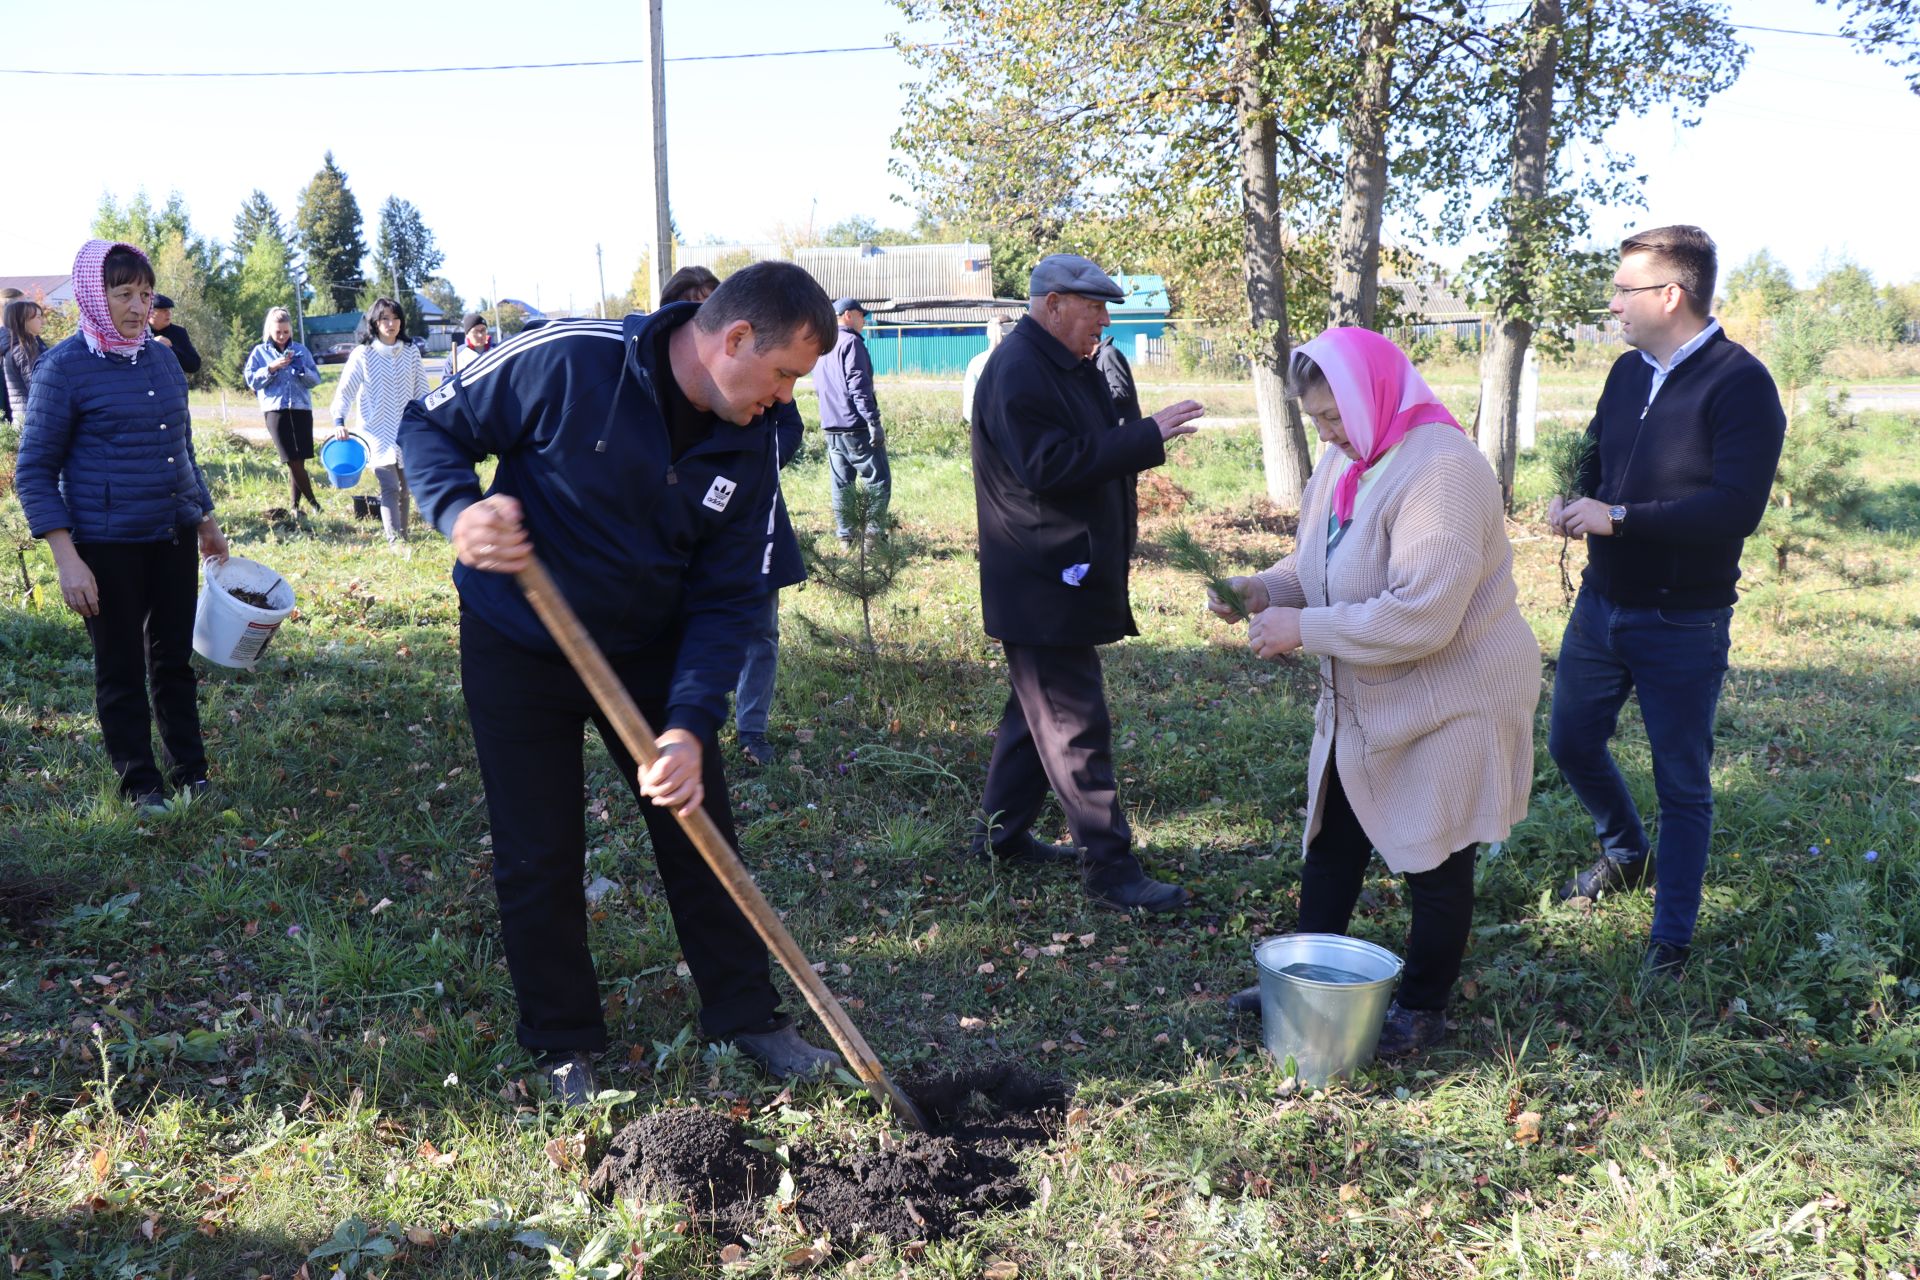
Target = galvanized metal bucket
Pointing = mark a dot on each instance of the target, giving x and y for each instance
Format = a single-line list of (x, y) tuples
[(1328, 1028)]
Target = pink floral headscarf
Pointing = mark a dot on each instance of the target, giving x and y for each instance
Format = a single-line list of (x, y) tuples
[(90, 292), (1381, 398)]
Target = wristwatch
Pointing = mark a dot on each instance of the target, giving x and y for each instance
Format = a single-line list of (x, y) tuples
[(1617, 516)]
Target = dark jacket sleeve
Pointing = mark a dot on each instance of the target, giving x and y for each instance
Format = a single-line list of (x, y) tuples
[(1113, 367), (46, 436), (1054, 462), (17, 380), (859, 370), (1747, 427), (184, 350), (446, 435)]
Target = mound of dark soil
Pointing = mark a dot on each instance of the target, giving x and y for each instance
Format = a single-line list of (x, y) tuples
[(912, 1186), (697, 1158), (258, 599)]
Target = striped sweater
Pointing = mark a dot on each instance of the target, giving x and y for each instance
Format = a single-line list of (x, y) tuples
[(379, 380), (1429, 675)]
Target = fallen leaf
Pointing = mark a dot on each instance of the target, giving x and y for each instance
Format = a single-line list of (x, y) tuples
[(985, 968), (807, 1255), (1078, 1116), (1349, 1191), (100, 1164), (973, 1024), (1046, 1190), (913, 1250), (999, 1268), (421, 1237), (566, 1152), (1526, 1128), (1086, 939), (733, 1256)]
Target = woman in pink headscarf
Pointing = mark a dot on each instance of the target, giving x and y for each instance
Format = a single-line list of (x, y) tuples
[(107, 475), (1401, 585)]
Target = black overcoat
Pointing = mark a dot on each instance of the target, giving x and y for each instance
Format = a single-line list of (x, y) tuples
[(1053, 482)]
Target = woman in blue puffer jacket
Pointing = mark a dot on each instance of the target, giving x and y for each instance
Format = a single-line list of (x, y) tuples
[(107, 475), (283, 374)]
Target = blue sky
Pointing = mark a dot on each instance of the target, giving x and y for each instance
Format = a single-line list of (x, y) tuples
[(520, 173)]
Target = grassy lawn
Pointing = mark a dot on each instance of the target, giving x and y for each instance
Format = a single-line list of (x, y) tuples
[(278, 1024)]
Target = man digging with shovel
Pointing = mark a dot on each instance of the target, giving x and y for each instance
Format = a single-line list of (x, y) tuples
[(635, 458)]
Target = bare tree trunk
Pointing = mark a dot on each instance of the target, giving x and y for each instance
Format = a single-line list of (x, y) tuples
[(1283, 441), (1356, 250), (1499, 417)]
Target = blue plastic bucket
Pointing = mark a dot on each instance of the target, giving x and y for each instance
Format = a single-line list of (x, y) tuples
[(344, 461)]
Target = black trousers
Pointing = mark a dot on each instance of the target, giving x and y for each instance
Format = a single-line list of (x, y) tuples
[(143, 640), (1055, 732), (1442, 900), (528, 711)]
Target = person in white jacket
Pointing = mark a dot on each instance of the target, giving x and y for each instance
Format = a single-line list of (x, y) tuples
[(382, 375)]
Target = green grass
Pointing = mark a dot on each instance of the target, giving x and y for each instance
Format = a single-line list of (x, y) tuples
[(301, 1028)]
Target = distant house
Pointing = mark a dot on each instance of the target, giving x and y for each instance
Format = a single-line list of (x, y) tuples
[(51, 291)]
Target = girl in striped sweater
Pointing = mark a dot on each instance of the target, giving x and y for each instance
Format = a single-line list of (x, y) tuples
[(383, 373)]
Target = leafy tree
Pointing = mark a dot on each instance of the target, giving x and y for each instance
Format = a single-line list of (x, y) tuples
[(263, 282), (1888, 28), (404, 256), (328, 218), (511, 319), (140, 223), (1752, 294), (1132, 133), (1570, 69), (1846, 292), (255, 216), (441, 292), (860, 229)]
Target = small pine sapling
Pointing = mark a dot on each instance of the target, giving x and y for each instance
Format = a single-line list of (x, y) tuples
[(1568, 455)]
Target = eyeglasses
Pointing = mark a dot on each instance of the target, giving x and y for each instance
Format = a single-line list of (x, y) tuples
[(1621, 291)]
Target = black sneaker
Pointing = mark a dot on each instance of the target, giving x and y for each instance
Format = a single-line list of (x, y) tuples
[(569, 1076), (1407, 1031), (1244, 1004), (150, 805), (1608, 875), (755, 747), (1142, 894), (1664, 960)]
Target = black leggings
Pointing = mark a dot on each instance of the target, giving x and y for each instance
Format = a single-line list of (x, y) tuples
[(1442, 900)]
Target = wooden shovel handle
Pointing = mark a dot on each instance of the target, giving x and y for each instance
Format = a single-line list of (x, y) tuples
[(620, 708)]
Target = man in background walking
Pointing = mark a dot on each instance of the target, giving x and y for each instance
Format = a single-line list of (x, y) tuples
[(849, 414)]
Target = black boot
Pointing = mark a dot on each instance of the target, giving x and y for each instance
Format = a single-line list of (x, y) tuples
[(1408, 1031)]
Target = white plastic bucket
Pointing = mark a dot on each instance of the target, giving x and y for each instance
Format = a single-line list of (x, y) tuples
[(231, 632)]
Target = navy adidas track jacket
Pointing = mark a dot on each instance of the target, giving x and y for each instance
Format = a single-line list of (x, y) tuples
[(657, 556)]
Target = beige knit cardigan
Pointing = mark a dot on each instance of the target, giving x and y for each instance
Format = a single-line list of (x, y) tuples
[(1429, 675)]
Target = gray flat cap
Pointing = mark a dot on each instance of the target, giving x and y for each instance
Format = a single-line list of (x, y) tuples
[(1071, 273)]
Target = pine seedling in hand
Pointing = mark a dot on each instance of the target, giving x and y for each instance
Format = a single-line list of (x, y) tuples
[(1186, 553), (1568, 455)]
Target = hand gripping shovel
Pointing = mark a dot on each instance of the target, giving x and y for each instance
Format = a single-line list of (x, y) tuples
[(618, 704)]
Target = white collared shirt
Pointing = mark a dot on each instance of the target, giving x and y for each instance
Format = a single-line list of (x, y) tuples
[(1687, 348)]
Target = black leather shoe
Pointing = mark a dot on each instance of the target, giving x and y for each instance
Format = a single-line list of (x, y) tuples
[(783, 1054), (1244, 1004), (1409, 1031), (569, 1077), (755, 747), (1664, 960), (1143, 894), (150, 805), (1026, 851), (1608, 876)]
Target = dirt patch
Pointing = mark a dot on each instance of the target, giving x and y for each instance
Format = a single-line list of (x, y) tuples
[(905, 1186), (26, 899)]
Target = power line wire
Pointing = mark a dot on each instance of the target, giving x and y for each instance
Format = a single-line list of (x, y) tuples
[(430, 71)]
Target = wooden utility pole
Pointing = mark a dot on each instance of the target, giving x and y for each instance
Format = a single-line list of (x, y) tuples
[(661, 242)]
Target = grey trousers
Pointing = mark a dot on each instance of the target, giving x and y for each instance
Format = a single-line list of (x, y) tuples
[(394, 496)]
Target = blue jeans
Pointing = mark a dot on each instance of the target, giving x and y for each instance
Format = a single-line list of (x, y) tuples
[(1677, 660), (753, 699), (849, 455)]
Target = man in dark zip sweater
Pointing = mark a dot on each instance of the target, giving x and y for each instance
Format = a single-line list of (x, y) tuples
[(1688, 433), (166, 332), (636, 457)]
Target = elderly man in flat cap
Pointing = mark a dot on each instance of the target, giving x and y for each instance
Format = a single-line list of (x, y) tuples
[(850, 417), (1053, 479)]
